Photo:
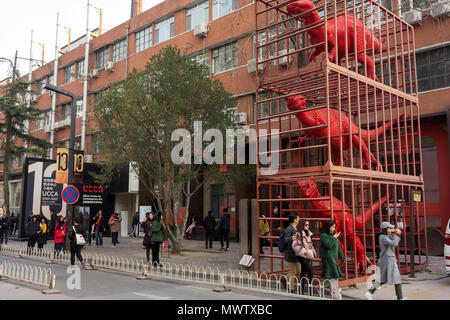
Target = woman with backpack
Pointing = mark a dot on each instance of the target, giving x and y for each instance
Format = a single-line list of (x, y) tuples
[(304, 250), (147, 229)]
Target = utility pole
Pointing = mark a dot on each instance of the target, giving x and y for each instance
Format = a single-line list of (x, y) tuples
[(55, 82), (85, 81)]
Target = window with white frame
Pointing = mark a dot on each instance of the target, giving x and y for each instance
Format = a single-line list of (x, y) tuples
[(51, 78), (202, 59), (80, 69), (69, 73), (95, 145), (406, 5), (79, 108), (66, 111), (225, 57), (102, 57), (119, 50), (164, 30), (197, 15), (433, 69), (15, 188), (39, 122), (223, 7), (48, 118), (40, 86), (144, 39)]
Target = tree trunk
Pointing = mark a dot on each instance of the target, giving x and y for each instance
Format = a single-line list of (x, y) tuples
[(6, 168)]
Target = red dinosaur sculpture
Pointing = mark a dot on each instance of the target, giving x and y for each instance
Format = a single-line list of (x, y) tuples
[(319, 117), (317, 35), (309, 189)]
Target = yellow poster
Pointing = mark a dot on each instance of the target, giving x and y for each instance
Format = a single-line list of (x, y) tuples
[(62, 165)]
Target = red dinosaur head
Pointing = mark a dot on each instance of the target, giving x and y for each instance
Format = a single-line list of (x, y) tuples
[(301, 6), (296, 102), (308, 188)]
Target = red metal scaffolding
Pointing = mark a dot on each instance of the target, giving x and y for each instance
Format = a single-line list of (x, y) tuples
[(347, 125)]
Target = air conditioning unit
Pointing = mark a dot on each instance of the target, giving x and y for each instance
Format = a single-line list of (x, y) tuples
[(88, 158), (34, 98), (94, 73), (440, 9), (252, 66), (240, 118), (413, 17), (283, 61), (110, 66), (201, 30)]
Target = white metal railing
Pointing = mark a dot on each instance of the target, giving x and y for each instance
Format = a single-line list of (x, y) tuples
[(269, 283), (26, 273)]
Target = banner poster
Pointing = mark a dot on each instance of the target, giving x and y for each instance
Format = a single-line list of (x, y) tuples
[(40, 191)]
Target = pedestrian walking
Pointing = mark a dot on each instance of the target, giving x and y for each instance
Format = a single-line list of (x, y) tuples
[(147, 229), (157, 237), (99, 228), (32, 232), (135, 225), (224, 230), (264, 230), (210, 225), (76, 243), (60, 233), (13, 224), (289, 254), (331, 251), (4, 230), (305, 252), (387, 268), (52, 224), (42, 233), (114, 222)]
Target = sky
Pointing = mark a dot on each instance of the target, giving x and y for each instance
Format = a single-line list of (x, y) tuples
[(19, 17)]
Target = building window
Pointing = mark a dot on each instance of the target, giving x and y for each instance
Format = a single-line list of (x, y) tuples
[(197, 15), (39, 122), (80, 69), (433, 69), (143, 39), (95, 145), (66, 111), (225, 58), (119, 50), (223, 7), (270, 108), (15, 188), (69, 73), (79, 108), (164, 30), (202, 59), (51, 79), (48, 118), (102, 57), (40, 86), (407, 5), (430, 169)]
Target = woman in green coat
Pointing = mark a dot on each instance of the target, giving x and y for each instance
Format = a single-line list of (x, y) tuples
[(157, 237), (331, 251)]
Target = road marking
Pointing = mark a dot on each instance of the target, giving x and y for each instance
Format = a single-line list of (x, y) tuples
[(154, 297)]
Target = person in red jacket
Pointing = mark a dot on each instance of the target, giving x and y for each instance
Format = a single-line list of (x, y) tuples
[(60, 233)]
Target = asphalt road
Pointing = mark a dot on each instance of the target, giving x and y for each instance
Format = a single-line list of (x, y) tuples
[(112, 285)]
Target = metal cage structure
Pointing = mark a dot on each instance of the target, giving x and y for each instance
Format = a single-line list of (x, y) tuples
[(338, 109)]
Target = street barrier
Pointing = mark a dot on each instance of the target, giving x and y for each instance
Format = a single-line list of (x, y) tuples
[(29, 274), (268, 283)]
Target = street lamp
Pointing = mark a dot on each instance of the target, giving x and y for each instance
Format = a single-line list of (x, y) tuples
[(56, 89)]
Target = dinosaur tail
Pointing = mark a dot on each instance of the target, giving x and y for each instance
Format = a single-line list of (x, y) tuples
[(364, 218), (381, 129)]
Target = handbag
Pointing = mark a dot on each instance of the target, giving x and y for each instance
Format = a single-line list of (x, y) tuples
[(79, 238)]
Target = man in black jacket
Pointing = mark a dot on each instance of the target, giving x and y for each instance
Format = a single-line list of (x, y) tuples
[(224, 229), (4, 230), (33, 229), (210, 224)]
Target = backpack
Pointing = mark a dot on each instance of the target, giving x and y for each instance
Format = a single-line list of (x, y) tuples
[(281, 244)]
